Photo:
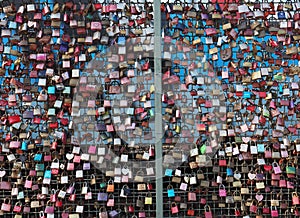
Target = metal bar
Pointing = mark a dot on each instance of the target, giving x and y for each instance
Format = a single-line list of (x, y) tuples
[(158, 108)]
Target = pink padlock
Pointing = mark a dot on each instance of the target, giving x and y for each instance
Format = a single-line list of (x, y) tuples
[(276, 168), (66, 17), (295, 198), (272, 105), (253, 207), (274, 211), (28, 182), (222, 191), (53, 196), (151, 151), (174, 208), (207, 212)]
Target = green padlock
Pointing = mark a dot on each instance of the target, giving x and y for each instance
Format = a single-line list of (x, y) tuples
[(203, 149), (102, 185), (151, 113)]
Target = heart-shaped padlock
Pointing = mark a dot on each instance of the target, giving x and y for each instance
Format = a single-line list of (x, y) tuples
[(237, 175)]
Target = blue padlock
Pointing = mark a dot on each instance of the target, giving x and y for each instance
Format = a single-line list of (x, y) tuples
[(261, 148), (24, 146), (115, 18), (47, 174), (38, 157), (51, 89), (280, 89), (229, 172), (168, 172), (281, 15), (246, 94), (20, 195), (171, 192)]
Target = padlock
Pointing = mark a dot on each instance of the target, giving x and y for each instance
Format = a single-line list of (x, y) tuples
[(191, 212), (222, 191), (28, 182), (207, 212), (148, 199), (253, 207), (237, 212), (149, 186), (59, 203), (276, 168), (274, 211), (72, 197), (295, 198), (6, 205), (110, 186), (219, 179), (174, 208)]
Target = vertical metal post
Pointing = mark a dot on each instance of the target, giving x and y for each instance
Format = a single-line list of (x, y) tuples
[(158, 107)]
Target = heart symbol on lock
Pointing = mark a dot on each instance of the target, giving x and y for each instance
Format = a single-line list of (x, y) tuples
[(2, 173), (186, 179), (237, 176), (268, 167), (246, 139), (125, 171), (251, 175), (259, 197), (69, 156)]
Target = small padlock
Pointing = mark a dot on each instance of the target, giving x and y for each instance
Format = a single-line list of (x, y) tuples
[(295, 198), (174, 208)]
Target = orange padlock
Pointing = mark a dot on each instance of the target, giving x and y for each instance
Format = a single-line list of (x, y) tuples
[(110, 186)]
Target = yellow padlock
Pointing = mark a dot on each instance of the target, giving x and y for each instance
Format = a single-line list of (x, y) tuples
[(148, 199), (177, 129)]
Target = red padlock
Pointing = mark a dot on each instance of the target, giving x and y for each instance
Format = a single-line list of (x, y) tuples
[(72, 197), (191, 212), (131, 209), (237, 212), (8, 137), (59, 203), (149, 186), (222, 162)]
